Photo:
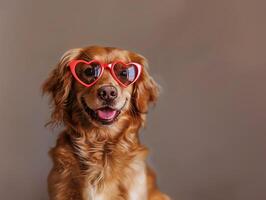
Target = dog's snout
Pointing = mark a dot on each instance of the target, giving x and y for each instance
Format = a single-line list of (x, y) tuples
[(107, 93)]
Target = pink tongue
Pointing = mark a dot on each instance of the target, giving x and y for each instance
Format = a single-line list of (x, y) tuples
[(106, 114)]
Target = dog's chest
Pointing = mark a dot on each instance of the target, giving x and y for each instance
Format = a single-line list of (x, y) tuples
[(92, 194), (135, 185), (138, 188)]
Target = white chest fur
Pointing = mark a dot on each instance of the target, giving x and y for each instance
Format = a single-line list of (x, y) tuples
[(136, 185)]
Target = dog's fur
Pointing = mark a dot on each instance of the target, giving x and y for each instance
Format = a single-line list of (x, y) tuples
[(95, 161)]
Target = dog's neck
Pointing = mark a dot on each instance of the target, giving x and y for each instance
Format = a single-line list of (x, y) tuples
[(99, 147)]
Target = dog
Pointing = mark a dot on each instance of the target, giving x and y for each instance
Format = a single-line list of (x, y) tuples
[(101, 96)]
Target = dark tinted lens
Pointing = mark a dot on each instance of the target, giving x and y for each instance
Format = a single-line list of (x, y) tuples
[(125, 74), (88, 73)]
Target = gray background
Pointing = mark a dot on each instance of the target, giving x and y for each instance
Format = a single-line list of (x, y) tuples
[(206, 135)]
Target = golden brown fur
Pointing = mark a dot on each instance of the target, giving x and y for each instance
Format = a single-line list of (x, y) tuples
[(94, 161)]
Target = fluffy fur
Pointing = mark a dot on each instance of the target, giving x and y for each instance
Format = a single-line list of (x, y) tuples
[(93, 161)]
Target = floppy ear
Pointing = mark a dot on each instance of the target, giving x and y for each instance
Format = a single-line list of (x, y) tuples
[(146, 90), (58, 87)]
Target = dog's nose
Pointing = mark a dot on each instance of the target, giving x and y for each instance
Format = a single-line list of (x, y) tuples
[(107, 93)]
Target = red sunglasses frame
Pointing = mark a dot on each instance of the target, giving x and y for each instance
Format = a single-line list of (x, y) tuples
[(109, 66)]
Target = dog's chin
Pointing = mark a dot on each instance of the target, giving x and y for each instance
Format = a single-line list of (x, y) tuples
[(104, 115)]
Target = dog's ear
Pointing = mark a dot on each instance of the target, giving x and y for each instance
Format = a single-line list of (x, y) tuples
[(146, 90), (58, 86)]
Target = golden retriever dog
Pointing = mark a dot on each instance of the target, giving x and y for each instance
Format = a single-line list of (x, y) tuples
[(101, 96)]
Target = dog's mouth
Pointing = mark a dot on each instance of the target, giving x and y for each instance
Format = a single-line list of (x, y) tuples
[(105, 115)]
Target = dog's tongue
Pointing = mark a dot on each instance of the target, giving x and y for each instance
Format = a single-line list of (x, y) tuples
[(106, 114)]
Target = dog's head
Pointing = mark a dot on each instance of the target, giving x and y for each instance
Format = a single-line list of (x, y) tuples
[(107, 101)]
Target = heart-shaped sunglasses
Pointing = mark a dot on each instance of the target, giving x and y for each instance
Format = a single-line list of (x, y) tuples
[(88, 72)]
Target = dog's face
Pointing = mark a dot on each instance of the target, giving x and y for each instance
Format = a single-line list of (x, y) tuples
[(106, 102)]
